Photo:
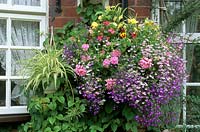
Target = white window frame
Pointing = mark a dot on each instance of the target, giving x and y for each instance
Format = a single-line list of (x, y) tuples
[(25, 13), (156, 18), (106, 2)]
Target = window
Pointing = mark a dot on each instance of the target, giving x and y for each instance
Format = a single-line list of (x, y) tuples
[(21, 25), (190, 116)]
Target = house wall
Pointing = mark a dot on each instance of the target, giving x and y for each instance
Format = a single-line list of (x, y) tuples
[(142, 9)]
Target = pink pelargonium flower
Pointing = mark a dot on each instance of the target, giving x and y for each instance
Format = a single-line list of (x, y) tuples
[(106, 63), (111, 30), (85, 58), (99, 38), (80, 70), (116, 53), (114, 60), (85, 47), (110, 83), (145, 63)]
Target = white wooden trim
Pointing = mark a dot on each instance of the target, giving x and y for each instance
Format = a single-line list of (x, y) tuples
[(11, 12), (13, 110)]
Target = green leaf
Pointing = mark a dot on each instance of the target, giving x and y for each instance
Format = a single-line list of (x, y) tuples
[(51, 120), (128, 113), (114, 127), (57, 128), (61, 99), (48, 129), (52, 105), (60, 117), (70, 103), (108, 108)]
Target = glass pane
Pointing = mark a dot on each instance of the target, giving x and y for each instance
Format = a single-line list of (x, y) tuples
[(2, 62), (2, 92), (172, 8), (2, 32), (193, 24), (3, 1), (26, 2), (193, 62), (18, 97), (193, 106), (18, 56), (25, 33)]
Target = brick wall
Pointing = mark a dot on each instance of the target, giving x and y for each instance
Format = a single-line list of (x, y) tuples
[(68, 13), (142, 9)]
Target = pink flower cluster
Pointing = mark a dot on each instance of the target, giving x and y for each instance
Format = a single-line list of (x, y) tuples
[(115, 54), (145, 63), (80, 70), (110, 83), (85, 47)]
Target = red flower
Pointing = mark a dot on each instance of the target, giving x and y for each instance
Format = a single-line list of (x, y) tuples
[(106, 23), (133, 35), (99, 38)]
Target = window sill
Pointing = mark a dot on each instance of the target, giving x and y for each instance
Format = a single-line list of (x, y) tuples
[(14, 118)]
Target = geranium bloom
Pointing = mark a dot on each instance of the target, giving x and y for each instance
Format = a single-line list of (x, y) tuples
[(132, 21), (85, 58), (114, 60), (110, 83), (99, 38), (106, 63), (80, 70), (106, 23), (145, 63), (85, 47), (116, 53), (111, 30)]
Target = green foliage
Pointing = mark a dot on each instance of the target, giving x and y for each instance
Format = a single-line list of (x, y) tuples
[(46, 71), (55, 113), (88, 11)]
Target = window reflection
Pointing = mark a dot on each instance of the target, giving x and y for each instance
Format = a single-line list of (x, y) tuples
[(193, 62), (2, 92)]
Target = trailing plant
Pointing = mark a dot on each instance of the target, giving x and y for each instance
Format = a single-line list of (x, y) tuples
[(56, 112), (47, 72)]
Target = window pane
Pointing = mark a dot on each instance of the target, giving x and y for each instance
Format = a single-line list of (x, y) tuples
[(18, 56), (2, 62), (27, 2), (25, 33), (193, 24), (2, 92), (18, 97), (193, 106), (3, 1), (193, 62), (2, 32)]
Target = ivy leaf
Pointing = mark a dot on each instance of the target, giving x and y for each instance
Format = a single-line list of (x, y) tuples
[(57, 128), (51, 120), (70, 103), (128, 113), (61, 99), (114, 127), (60, 117), (52, 105), (48, 129)]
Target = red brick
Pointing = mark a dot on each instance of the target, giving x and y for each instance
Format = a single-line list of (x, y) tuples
[(69, 2), (131, 3), (142, 2), (60, 21), (69, 12), (142, 11)]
